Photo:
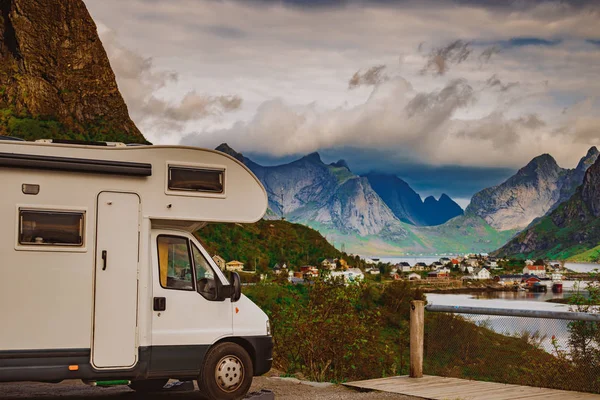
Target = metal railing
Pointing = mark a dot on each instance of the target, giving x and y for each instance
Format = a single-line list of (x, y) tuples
[(527, 347)]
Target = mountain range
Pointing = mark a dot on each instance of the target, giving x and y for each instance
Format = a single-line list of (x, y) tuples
[(532, 192), (379, 213), (570, 231)]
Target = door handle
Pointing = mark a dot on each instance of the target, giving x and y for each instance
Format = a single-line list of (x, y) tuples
[(104, 260), (160, 304)]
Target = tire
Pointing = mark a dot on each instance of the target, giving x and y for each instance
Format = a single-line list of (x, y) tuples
[(148, 385), (226, 373)]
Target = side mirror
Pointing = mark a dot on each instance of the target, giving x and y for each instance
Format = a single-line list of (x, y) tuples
[(236, 286)]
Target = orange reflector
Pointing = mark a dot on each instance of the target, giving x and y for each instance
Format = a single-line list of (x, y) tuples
[(73, 367), (237, 310)]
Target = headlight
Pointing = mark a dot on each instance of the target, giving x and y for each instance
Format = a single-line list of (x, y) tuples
[(268, 328)]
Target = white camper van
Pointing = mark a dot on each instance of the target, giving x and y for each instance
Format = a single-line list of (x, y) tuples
[(101, 277)]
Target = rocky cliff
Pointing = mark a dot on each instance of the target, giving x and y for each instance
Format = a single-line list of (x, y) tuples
[(55, 77), (532, 192), (572, 228), (407, 204)]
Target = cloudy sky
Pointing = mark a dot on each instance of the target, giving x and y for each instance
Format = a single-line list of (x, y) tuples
[(453, 96)]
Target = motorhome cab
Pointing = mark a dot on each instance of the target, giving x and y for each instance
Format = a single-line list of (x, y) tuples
[(101, 277)]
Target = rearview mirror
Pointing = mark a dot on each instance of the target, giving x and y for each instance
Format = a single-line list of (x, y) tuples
[(236, 286)]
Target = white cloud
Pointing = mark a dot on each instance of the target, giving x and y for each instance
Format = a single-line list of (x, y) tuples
[(292, 67)]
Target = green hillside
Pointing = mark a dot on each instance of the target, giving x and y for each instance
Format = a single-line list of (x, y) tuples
[(569, 232), (266, 243)]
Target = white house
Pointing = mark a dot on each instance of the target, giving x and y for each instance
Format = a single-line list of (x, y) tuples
[(329, 263), (481, 274), (414, 277), (528, 262), (557, 277), (467, 269), (537, 270), (373, 271), (351, 275), (235, 266)]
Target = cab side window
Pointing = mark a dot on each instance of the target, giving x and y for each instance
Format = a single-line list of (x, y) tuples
[(205, 276), (175, 264)]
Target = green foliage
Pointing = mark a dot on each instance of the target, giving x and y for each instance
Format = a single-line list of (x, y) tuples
[(266, 243), (26, 126), (332, 332)]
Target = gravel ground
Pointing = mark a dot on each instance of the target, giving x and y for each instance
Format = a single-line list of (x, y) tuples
[(282, 387)]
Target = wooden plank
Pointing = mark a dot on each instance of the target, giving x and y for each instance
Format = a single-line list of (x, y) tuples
[(443, 388)]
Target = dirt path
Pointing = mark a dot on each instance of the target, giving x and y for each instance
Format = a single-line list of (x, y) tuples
[(283, 389)]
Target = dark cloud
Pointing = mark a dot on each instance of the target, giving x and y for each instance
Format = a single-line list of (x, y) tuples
[(458, 93), (494, 82), (455, 181), (441, 58), (226, 32), (371, 77), (487, 54)]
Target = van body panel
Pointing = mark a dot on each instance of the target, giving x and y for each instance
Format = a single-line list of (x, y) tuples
[(205, 322)]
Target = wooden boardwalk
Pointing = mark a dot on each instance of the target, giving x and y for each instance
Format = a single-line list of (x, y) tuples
[(440, 388)]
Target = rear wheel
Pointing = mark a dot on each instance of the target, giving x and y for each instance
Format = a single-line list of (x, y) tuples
[(148, 385), (227, 372)]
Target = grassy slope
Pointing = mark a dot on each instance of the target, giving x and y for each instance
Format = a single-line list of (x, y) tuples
[(267, 242), (591, 255), (568, 232)]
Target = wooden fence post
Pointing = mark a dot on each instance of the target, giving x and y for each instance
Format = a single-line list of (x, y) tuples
[(417, 333)]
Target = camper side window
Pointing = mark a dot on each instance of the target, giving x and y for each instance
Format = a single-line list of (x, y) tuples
[(51, 228), (196, 179), (174, 261)]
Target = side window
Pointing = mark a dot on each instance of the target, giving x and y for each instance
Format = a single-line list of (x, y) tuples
[(174, 263), (205, 276), (51, 228), (196, 179)]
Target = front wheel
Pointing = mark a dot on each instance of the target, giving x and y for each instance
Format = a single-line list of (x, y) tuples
[(148, 385), (227, 372)]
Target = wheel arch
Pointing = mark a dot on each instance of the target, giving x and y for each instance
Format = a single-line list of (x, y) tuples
[(244, 343)]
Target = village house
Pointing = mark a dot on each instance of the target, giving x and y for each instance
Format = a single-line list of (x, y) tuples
[(438, 274), (404, 267), (455, 261), (220, 261), (444, 260), (373, 271), (436, 265), (235, 266), (329, 263), (556, 277), (538, 270), (309, 271), (277, 268), (481, 274), (414, 277), (395, 276), (419, 267), (529, 262), (467, 269), (509, 279)]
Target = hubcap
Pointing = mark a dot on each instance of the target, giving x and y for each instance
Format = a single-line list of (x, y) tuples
[(229, 373)]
